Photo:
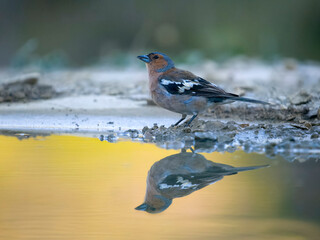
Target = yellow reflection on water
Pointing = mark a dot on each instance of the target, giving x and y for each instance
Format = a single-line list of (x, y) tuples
[(63, 187)]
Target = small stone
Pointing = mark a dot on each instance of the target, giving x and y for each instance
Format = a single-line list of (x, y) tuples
[(261, 125), (301, 98), (290, 64), (187, 130), (312, 113), (101, 138), (231, 126), (231, 149), (148, 136), (243, 125), (290, 118), (112, 138), (26, 88), (299, 126), (215, 125), (133, 133), (225, 138), (31, 78), (270, 150), (314, 136), (145, 129), (19, 95), (308, 125)]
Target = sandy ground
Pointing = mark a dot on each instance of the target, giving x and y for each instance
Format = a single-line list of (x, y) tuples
[(115, 104)]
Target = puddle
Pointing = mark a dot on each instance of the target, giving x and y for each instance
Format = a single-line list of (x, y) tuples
[(71, 187)]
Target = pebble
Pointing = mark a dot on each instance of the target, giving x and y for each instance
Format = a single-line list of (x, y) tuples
[(101, 138), (25, 89), (301, 98), (299, 126), (308, 125), (148, 136)]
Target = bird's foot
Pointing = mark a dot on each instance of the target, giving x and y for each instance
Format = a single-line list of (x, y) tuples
[(175, 126)]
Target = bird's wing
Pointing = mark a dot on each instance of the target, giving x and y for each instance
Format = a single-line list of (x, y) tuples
[(179, 185), (182, 82)]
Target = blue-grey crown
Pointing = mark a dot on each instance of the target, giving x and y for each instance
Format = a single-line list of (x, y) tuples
[(169, 61)]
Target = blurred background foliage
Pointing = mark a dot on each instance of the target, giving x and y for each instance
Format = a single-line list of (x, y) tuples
[(82, 32)]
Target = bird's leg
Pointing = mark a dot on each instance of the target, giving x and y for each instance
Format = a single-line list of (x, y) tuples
[(182, 118), (191, 119)]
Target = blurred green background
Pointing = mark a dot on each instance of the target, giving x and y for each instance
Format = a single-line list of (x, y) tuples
[(79, 32)]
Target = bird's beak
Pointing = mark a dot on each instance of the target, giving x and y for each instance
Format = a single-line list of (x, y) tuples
[(144, 58), (142, 207)]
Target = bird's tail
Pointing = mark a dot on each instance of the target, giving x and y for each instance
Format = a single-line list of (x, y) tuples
[(241, 169), (242, 99)]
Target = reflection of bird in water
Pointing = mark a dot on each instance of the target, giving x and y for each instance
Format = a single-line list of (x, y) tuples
[(179, 175)]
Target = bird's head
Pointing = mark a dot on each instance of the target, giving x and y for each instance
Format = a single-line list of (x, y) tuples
[(158, 62), (157, 204)]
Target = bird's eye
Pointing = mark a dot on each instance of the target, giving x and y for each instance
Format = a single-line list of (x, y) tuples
[(156, 57)]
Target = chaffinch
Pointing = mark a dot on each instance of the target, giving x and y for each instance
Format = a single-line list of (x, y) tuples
[(179, 175), (181, 91)]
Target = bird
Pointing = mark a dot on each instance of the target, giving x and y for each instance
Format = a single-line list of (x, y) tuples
[(181, 174), (183, 92)]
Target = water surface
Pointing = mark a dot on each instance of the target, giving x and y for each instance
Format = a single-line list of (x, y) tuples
[(66, 187)]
